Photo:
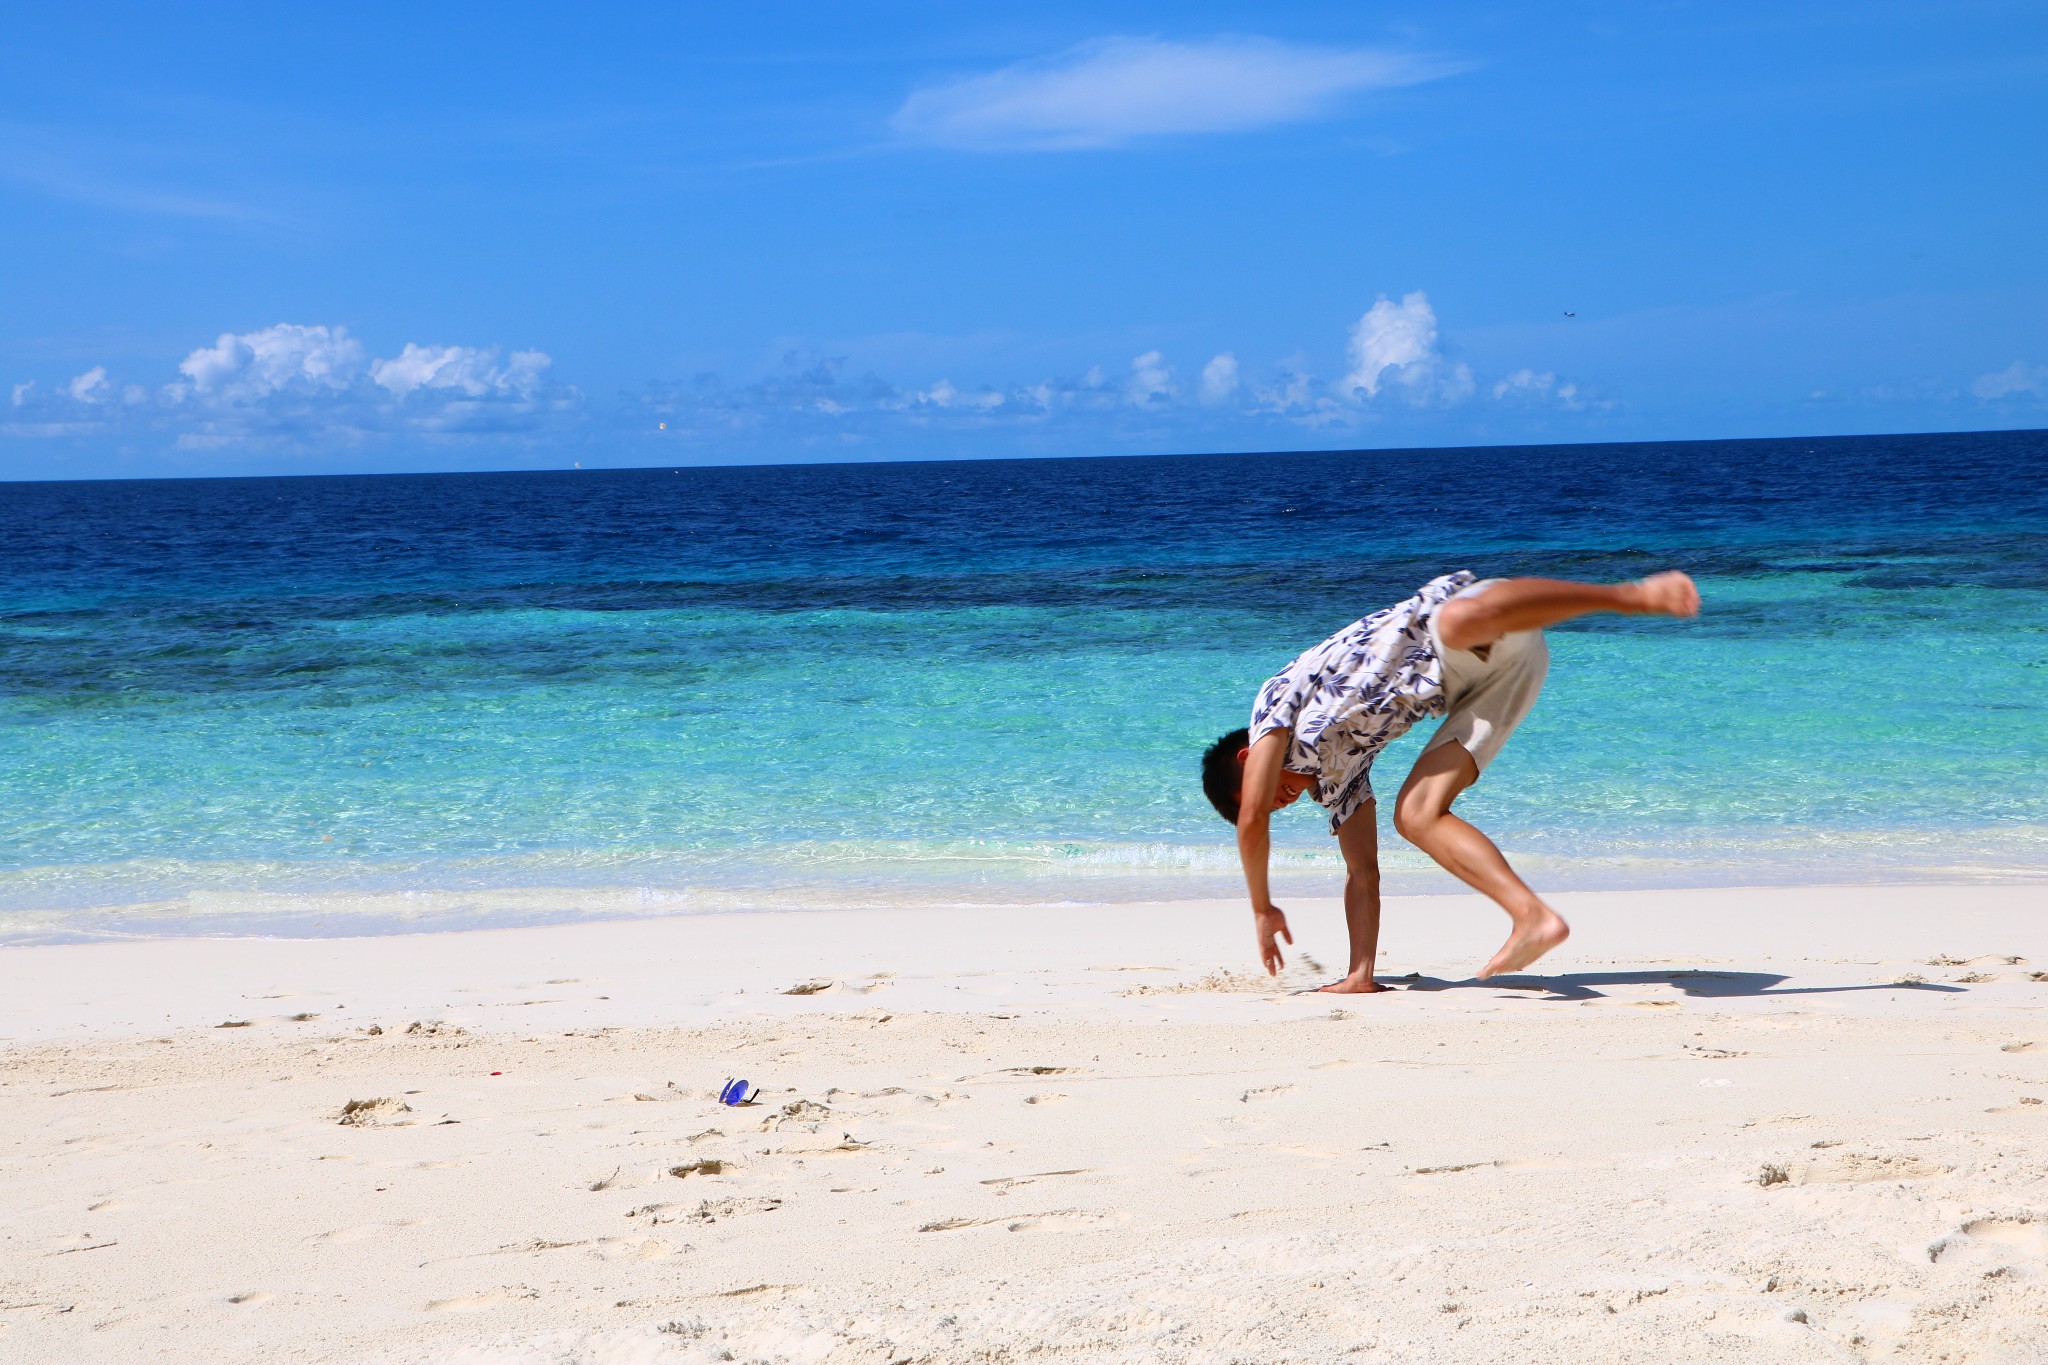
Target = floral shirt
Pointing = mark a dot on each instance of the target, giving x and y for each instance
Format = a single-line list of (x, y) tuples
[(1356, 693)]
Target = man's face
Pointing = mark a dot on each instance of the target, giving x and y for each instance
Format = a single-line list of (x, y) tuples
[(1292, 785)]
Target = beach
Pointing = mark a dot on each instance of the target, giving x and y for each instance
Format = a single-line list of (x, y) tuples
[(1723, 1125), (395, 870), (667, 674)]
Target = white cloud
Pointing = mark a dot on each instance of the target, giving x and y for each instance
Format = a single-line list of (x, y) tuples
[(469, 370), (944, 395), (90, 387), (1389, 337), (1151, 380), (1220, 379), (1397, 342), (1525, 381), (285, 358), (2016, 378), (1528, 385), (1292, 391), (1114, 90), (301, 387)]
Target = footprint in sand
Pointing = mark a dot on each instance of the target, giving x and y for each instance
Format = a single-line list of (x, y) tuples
[(1013, 1072), (804, 1114), (1296, 1214), (2027, 1236), (1304, 974), (634, 1249), (1454, 1170), (1861, 1168), (1005, 1183), (476, 1303), (752, 1289), (1053, 1219), (1995, 1240), (377, 1113), (1058, 1218), (359, 1233), (1263, 1092), (707, 1211), (254, 1296), (1049, 1097)]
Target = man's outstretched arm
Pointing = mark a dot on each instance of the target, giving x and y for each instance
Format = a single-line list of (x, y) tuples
[(1257, 787), (1533, 603)]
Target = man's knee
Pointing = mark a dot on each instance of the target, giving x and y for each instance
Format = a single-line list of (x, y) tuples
[(1414, 814)]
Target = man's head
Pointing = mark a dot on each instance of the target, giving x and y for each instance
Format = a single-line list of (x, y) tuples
[(1223, 776)]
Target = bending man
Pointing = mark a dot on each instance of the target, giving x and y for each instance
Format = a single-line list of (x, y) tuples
[(1467, 650)]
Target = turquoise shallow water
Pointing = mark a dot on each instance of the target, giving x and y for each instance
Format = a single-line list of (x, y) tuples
[(356, 705)]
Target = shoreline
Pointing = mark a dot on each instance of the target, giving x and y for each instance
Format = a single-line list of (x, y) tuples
[(700, 967), (325, 910), (1796, 1124)]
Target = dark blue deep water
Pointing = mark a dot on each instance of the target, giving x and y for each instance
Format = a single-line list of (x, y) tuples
[(337, 705)]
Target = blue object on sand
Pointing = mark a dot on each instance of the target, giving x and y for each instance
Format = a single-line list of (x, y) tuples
[(735, 1092)]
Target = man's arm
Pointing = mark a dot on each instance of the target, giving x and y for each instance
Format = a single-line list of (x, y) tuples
[(1257, 787), (1533, 603)]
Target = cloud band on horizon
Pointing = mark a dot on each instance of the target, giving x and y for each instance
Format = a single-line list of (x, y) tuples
[(298, 387)]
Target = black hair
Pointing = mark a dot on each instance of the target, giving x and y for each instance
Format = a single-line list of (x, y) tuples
[(1223, 775)]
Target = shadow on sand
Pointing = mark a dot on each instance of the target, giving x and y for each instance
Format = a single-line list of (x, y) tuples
[(1711, 985)]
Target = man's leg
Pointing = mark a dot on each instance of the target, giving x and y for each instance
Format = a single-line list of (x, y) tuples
[(1423, 816), (1359, 838)]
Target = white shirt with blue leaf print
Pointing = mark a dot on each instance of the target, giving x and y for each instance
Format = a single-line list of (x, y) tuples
[(1357, 692)]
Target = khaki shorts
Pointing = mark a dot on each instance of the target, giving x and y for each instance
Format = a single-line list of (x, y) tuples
[(1488, 696)]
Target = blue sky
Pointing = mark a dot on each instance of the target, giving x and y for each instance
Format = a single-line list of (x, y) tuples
[(262, 238)]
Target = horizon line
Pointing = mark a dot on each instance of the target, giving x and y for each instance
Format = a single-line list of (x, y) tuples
[(577, 468)]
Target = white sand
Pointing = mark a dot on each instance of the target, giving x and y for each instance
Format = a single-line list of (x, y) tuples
[(1056, 1134)]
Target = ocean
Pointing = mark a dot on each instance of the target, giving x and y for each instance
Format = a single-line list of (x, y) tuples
[(334, 705)]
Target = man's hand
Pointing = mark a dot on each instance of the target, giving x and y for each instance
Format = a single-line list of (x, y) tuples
[(1272, 927), (1667, 594)]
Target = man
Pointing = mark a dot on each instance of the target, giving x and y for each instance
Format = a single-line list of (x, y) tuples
[(1467, 650)]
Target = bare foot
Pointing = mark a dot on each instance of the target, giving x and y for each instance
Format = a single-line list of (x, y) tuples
[(1532, 938), (1351, 986)]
